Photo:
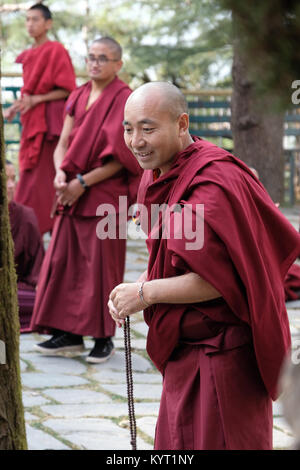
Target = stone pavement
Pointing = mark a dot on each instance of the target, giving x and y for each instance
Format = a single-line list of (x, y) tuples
[(70, 404)]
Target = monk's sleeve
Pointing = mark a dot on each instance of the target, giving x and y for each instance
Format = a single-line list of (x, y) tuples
[(206, 254), (113, 136), (247, 249), (62, 69), (71, 103)]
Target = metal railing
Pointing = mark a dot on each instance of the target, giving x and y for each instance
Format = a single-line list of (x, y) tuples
[(15, 91), (210, 117)]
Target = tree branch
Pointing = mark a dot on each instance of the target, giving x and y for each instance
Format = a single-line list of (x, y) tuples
[(12, 7)]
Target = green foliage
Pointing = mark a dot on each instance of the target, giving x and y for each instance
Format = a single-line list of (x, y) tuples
[(183, 41), (268, 35)]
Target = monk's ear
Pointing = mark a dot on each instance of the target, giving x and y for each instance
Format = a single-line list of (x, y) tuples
[(49, 24), (119, 65), (183, 123)]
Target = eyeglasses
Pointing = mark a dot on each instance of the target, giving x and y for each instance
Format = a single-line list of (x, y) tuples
[(101, 59)]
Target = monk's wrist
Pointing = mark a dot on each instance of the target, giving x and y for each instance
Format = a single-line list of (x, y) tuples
[(35, 100), (148, 292), (82, 181), (142, 295)]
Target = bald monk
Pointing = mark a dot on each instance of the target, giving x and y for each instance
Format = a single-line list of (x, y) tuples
[(93, 168), (28, 249), (48, 77), (213, 293)]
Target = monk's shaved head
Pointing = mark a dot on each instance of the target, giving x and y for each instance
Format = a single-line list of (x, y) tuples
[(169, 97), (112, 44), (156, 125), (43, 9)]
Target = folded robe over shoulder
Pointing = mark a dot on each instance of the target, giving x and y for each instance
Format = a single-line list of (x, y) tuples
[(248, 248), (45, 68), (97, 136)]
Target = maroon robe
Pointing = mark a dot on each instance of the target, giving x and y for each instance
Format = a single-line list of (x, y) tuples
[(45, 68), (80, 270), (220, 359), (292, 283), (28, 253)]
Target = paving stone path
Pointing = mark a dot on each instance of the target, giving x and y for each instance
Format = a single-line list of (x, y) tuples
[(70, 404)]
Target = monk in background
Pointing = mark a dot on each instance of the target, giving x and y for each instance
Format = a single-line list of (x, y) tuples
[(48, 77), (28, 249), (218, 325), (93, 168)]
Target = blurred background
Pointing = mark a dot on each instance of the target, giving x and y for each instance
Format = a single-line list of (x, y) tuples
[(238, 64)]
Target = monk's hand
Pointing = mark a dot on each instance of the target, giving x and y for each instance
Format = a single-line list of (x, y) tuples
[(28, 101), (60, 184), (9, 113), (126, 299), (114, 314), (71, 193), (60, 181)]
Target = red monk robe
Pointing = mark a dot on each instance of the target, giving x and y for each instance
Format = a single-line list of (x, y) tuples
[(80, 270), (28, 253), (220, 359), (45, 68), (292, 283)]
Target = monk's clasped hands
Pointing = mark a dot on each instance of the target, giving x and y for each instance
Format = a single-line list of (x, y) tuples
[(67, 193)]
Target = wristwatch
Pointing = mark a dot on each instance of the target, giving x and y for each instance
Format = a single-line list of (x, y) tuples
[(81, 180)]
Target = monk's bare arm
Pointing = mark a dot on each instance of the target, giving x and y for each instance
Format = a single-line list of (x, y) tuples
[(102, 173), (185, 289), (30, 101), (27, 102), (75, 189), (62, 145), (188, 288), (9, 113), (57, 94), (59, 153)]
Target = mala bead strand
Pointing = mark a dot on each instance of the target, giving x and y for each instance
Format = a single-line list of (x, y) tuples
[(129, 380)]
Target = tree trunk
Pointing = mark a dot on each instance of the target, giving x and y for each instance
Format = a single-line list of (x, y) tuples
[(257, 130), (12, 423)]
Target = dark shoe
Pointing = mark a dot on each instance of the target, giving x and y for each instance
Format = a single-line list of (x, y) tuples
[(61, 342), (102, 351)]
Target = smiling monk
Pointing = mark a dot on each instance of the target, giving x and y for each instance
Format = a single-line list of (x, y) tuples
[(218, 326)]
